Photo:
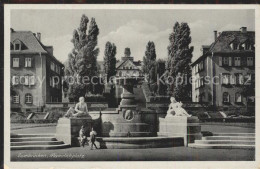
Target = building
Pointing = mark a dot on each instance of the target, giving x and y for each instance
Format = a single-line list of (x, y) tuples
[(224, 68), (35, 72), (127, 66)]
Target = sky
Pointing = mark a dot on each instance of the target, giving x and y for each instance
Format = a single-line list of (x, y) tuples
[(130, 28)]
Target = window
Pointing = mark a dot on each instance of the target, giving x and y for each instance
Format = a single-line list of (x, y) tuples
[(220, 61), (225, 61), (238, 98), (248, 79), (28, 62), (247, 46), (225, 97), (31, 80), (17, 46), (251, 99), (201, 66), (28, 98), (233, 46), (201, 82), (52, 66), (237, 61), (57, 68), (239, 80), (51, 84), (15, 80), (196, 68), (250, 61), (15, 62), (242, 46), (27, 80), (16, 99), (225, 78)]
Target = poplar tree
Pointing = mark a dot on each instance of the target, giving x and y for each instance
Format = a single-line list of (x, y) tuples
[(82, 61), (149, 62), (110, 60), (179, 60)]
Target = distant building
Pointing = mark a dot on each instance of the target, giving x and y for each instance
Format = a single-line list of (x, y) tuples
[(127, 66), (230, 62), (35, 72)]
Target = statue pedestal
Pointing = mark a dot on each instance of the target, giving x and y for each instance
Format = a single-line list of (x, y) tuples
[(187, 127), (67, 129)]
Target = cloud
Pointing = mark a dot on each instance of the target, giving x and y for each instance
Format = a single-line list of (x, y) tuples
[(136, 34)]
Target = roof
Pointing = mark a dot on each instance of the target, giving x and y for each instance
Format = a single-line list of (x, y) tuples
[(29, 40), (31, 43), (120, 63), (222, 44)]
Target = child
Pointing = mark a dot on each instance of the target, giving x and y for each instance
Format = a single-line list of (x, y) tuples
[(83, 136), (93, 134)]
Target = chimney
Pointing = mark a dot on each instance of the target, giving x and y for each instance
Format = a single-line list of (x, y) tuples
[(127, 52), (215, 35), (49, 49), (12, 30), (38, 36), (243, 29)]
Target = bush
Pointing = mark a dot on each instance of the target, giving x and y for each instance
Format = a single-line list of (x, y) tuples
[(56, 113), (19, 115)]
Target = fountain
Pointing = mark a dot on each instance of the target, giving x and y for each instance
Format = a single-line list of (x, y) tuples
[(130, 126)]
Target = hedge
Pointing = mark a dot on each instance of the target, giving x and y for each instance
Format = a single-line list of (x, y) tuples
[(38, 121)]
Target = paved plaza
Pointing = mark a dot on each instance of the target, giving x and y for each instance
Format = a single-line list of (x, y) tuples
[(151, 154)]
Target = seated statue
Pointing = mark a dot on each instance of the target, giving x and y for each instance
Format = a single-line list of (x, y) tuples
[(175, 109), (81, 109)]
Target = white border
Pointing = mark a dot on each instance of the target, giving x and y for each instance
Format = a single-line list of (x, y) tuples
[(115, 164)]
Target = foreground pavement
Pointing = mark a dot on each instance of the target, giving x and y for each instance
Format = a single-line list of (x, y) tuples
[(153, 154)]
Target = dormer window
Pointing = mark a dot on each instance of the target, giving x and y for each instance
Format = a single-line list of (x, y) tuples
[(17, 45), (242, 46), (233, 46)]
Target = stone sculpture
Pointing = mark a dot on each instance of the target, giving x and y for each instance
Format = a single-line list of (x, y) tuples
[(175, 109)]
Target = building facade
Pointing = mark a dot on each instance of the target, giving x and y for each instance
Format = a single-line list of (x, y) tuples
[(35, 73), (127, 66), (225, 70)]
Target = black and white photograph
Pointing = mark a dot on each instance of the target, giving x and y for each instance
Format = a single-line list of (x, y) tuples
[(130, 84)]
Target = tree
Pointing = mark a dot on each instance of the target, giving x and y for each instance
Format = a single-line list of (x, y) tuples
[(162, 88), (82, 61), (110, 60), (179, 60), (149, 62)]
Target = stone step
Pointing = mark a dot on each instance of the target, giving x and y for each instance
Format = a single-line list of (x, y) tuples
[(245, 142), (31, 135), (39, 147), (33, 139), (139, 142), (36, 143), (125, 134), (221, 146), (234, 134), (228, 138)]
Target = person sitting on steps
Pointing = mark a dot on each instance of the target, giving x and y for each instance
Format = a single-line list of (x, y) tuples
[(83, 136)]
